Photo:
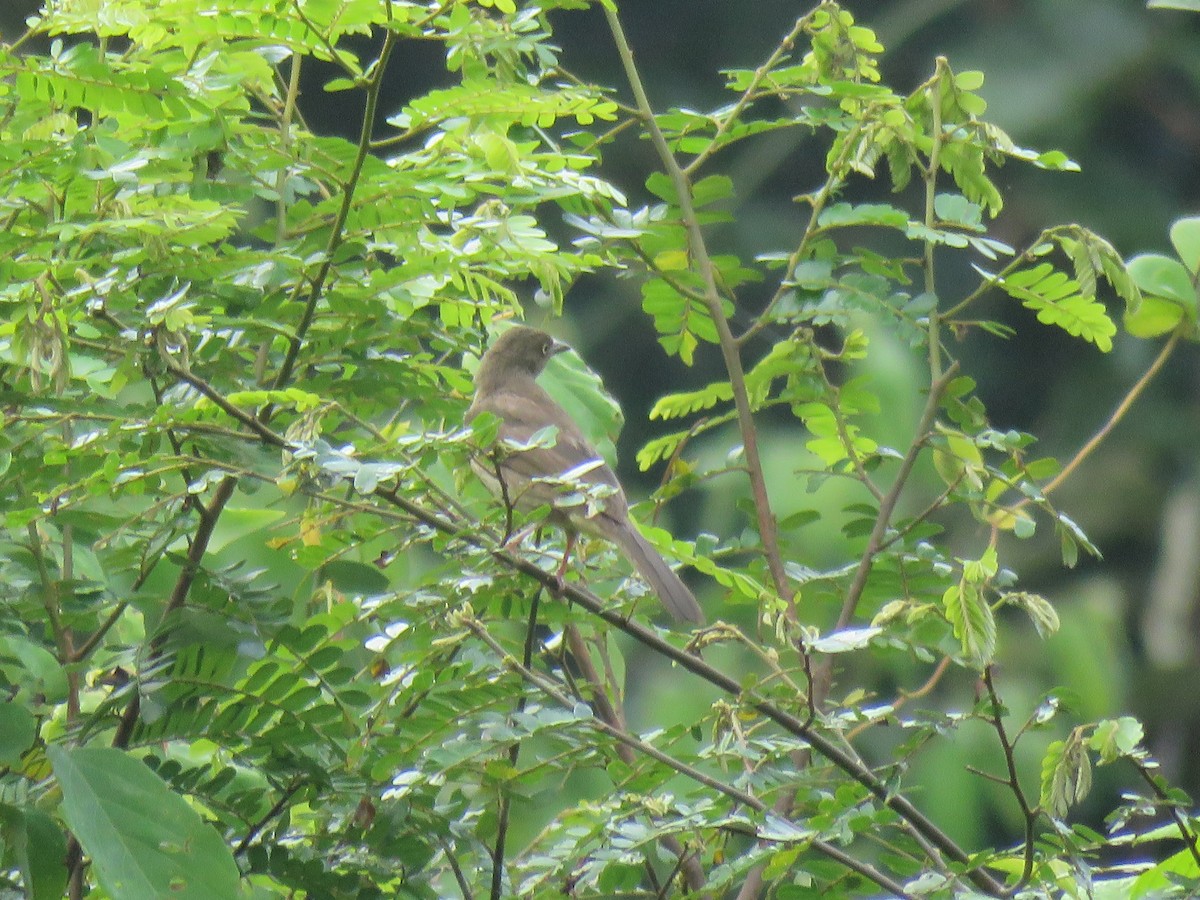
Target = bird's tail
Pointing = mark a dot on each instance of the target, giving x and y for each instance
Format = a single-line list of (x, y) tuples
[(674, 594)]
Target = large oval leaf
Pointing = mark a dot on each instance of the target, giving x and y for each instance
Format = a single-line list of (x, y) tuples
[(143, 838), (1162, 276)]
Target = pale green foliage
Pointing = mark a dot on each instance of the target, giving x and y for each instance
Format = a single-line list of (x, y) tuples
[(262, 631)]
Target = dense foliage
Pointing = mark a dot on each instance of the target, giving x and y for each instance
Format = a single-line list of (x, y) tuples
[(262, 633)]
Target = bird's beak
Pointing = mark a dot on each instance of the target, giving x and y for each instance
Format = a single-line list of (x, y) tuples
[(559, 347)]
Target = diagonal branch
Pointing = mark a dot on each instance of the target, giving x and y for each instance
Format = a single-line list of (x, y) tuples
[(825, 746), (633, 744), (337, 229), (767, 526)]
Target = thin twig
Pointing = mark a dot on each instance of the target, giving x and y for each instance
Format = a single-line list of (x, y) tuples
[(748, 94), (1190, 838), (767, 526), (1028, 813), (337, 228), (1117, 415)]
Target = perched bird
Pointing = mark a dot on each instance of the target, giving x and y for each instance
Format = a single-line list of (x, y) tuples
[(536, 473)]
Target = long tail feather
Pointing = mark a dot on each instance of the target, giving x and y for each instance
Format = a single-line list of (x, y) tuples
[(674, 594)]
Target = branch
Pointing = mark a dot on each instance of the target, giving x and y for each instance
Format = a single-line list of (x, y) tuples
[(337, 229), (1117, 415), (1189, 836), (183, 584), (634, 743), (767, 526), (888, 505), (1013, 782), (826, 747), (747, 96)]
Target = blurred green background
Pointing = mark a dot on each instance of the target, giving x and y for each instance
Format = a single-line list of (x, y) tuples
[(1116, 87)]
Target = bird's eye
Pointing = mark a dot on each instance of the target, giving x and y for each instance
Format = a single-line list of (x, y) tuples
[(546, 349)]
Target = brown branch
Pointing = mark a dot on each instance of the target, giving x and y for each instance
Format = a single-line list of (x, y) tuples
[(179, 593), (632, 744), (767, 526), (337, 229), (826, 747), (240, 415), (1028, 814), (1117, 415)]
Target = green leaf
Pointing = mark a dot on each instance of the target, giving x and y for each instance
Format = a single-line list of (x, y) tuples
[(39, 848), (580, 390), (1115, 738), (1188, 5), (17, 731), (39, 672), (1040, 611), (973, 621), (145, 842), (1066, 775), (1163, 879), (841, 215), (958, 210), (1162, 276), (1185, 238), (1058, 300), (1153, 317), (711, 189), (675, 406)]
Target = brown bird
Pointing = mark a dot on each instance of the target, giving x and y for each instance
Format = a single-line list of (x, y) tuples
[(538, 474)]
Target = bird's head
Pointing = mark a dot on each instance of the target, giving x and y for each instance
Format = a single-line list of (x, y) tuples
[(519, 351)]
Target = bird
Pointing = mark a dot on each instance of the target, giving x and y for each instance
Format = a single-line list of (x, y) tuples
[(529, 472)]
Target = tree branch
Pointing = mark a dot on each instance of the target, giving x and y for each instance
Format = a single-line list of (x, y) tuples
[(826, 747), (635, 744), (767, 526)]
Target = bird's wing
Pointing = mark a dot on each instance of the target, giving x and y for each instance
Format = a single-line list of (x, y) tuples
[(523, 414)]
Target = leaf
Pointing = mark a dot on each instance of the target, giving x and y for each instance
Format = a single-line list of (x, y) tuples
[(674, 406), (39, 848), (973, 621), (711, 189), (1066, 775), (1116, 738), (144, 840), (958, 210), (18, 728), (1153, 317), (1162, 276), (842, 215), (1040, 611), (1164, 878), (1058, 300), (1185, 238), (844, 640), (1188, 5)]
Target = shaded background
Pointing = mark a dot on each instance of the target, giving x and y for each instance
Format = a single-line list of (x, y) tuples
[(1116, 87)]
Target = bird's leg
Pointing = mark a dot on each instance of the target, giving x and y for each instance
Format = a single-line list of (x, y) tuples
[(560, 575), (508, 505)]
